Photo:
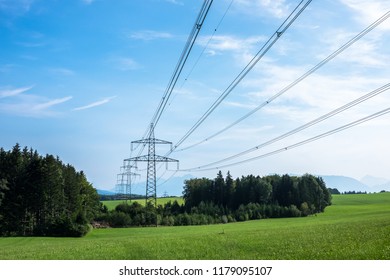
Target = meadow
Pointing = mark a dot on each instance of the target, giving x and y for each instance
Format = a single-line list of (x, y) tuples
[(111, 204), (355, 227)]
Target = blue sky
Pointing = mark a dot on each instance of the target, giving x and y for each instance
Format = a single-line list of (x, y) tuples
[(81, 79)]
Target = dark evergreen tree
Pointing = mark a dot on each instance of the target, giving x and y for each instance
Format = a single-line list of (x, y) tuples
[(229, 193), (219, 190), (42, 196)]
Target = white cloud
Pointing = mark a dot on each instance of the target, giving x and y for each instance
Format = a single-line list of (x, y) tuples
[(7, 68), (31, 44), (32, 105), (230, 43), (275, 8), (242, 49), (88, 2), (367, 11), (124, 63), (239, 105), (367, 52), (13, 92), (62, 71), (16, 7), (148, 35), (95, 104), (48, 104), (176, 2)]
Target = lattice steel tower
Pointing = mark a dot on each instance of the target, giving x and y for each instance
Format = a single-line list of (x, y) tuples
[(151, 158), (123, 182)]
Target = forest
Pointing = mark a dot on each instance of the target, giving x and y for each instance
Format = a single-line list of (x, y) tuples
[(225, 200), (41, 196)]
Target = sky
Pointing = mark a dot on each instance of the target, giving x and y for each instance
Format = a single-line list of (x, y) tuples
[(81, 79)]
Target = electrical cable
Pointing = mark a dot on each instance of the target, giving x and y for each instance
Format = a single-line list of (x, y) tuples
[(301, 78), (183, 58), (312, 139), (307, 125), (265, 48), (178, 69), (203, 50), (196, 63)]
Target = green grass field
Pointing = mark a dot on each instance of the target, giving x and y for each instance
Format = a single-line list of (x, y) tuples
[(111, 204), (354, 227)]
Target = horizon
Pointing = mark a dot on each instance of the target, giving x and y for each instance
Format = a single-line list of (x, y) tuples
[(373, 186)]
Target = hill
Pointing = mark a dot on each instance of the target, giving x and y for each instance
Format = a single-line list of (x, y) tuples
[(355, 227), (345, 184), (104, 192)]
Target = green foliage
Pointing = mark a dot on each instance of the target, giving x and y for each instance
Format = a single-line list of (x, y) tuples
[(269, 196), (354, 227), (39, 195), (227, 200), (111, 204)]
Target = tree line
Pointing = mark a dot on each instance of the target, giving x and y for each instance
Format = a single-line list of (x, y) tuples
[(223, 200), (307, 193), (42, 196)]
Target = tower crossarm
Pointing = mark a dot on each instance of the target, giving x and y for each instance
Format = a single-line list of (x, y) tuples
[(155, 158), (150, 141)]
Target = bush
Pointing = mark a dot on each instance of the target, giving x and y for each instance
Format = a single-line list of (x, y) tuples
[(305, 210), (293, 211), (168, 221), (224, 219), (64, 227), (118, 219)]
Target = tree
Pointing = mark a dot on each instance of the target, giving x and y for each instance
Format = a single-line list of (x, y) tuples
[(3, 189), (219, 190), (230, 189), (42, 196)]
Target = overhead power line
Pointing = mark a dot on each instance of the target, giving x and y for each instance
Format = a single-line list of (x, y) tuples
[(297, 81), (178, 69), (183, 58), (265, 48), (305, 126), (309, 140), (204, 49)]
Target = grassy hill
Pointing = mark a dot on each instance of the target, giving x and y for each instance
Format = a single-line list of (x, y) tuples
[(111, 204), (354, 227)]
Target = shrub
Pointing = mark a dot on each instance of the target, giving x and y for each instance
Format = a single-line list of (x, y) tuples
[(119, 219)]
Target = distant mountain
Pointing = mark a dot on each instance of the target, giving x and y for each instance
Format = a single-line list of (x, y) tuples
[(345, 184), (173, 187), (104, 192), (372, 181)]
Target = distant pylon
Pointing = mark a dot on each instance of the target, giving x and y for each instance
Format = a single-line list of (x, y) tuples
[(124, 181), (151, 158)]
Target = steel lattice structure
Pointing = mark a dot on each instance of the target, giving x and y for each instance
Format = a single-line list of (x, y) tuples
[(151, 158)]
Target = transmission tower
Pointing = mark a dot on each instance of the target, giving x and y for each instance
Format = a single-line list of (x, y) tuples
[(151, 158), (123, 185)]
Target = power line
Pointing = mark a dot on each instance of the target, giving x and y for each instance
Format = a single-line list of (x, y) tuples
[(304, 76), (307, 125), (312, 139), (178, 69), (265, 48), (151, 158), (183, 58), (192, 69), (204, 49)]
